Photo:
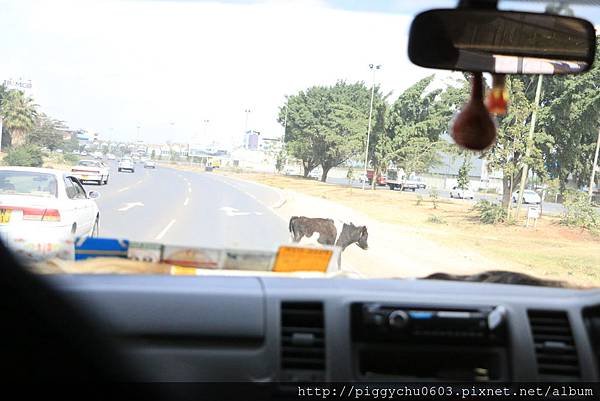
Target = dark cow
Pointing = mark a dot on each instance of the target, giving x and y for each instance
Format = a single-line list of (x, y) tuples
[(348, 234)]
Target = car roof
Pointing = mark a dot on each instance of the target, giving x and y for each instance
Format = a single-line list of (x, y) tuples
[(34, 170)]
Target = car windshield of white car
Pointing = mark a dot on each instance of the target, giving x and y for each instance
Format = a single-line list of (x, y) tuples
[(86, 163), (27, 183)]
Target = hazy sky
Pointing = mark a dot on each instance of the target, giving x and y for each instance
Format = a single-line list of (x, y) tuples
[(109, 66)]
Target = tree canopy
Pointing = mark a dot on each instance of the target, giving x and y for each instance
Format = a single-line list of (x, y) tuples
[(326, 125)]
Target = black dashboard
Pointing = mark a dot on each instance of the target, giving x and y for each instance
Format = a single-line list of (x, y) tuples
[(261, 329)]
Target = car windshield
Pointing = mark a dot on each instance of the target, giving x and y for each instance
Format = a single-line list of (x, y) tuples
[(26, 183), (234, 133)]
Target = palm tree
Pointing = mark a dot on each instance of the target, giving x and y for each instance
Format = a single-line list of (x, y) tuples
[(19, 115)]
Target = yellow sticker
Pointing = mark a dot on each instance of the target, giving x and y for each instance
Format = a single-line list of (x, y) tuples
[(295, 259), (182, 271)]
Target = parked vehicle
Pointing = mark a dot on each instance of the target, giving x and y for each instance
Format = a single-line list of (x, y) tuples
[(98, 155), (396, 180), (110, 156), (91, 170), (46, 200), (126, 164), (149, 164), (529, 196), (316, 174), (381, 178), (460, 193)]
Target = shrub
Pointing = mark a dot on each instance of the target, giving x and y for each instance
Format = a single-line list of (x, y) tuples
[(490, 213), (579, 212), (25, 155), (70, 158), (436, 219), (434, 196)]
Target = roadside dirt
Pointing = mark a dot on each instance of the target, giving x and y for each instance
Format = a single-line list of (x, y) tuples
[(408, 237)]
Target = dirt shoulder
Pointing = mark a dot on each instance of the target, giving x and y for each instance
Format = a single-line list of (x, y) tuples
[(408, 237)]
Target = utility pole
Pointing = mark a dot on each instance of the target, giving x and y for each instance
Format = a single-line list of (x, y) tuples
[(538, 93), (373, 68), (594, 167), (247, 111)]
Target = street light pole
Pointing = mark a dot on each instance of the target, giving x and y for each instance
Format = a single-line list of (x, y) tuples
[(373, 68), (247, 111)]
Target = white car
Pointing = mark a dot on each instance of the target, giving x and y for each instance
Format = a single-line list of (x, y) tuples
[(316, 174), (46, 201), (149, 164), (91, 170), (459, 193), (110, 156), (529, 196), (126, 164)]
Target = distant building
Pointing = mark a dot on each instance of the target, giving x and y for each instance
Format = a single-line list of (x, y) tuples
[(445, 175), (251, 140), (270, 145)]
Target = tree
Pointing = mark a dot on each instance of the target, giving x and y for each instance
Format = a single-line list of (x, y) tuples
[(19, 115), (508, 154), (416, 122), (47, 133), (5, 135), (463, 173), (570, 114), (326, 125)]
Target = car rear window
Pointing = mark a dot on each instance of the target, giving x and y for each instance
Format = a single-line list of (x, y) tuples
[(27, 183)]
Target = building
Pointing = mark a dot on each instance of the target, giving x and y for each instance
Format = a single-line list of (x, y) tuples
[(251, 140), (445, 174), (270, 145)]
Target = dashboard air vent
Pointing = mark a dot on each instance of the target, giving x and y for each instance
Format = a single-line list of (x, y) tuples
[(303, 338), (554, 345)]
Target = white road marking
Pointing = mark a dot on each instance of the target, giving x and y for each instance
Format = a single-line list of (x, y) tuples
[(187, 200), (139, 182), (130, 205), (189, 189), (164, 230), (123, 189), (231, 211)]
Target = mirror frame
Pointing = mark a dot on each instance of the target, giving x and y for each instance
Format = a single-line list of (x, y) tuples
[(412, 52)]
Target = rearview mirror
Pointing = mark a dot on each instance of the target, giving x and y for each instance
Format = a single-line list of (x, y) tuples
[(504, 42), (93, 195)]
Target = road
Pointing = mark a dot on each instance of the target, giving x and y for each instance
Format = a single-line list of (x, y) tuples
[(184, 208), (549, 207)]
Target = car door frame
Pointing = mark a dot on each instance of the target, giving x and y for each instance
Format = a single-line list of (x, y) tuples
[(85, 217)]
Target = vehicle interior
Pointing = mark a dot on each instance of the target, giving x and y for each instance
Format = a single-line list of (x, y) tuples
[(264, 329)]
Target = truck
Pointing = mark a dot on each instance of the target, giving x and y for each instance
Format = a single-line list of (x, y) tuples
[(398, 180), (381, 178)]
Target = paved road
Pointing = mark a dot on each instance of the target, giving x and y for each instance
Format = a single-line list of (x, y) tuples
[(184, 208)]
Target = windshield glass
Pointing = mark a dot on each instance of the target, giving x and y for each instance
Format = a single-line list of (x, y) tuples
[(228, 129), (26, 183)]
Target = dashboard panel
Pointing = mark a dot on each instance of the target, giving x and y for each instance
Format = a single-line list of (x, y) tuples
[(261, 329)]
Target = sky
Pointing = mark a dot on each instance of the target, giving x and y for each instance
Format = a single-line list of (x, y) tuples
[(187, 70)]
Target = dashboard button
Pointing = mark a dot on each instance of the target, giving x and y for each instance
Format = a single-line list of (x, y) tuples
[(398, 319)]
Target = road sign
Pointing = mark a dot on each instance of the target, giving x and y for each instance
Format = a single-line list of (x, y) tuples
[(533, 213)]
